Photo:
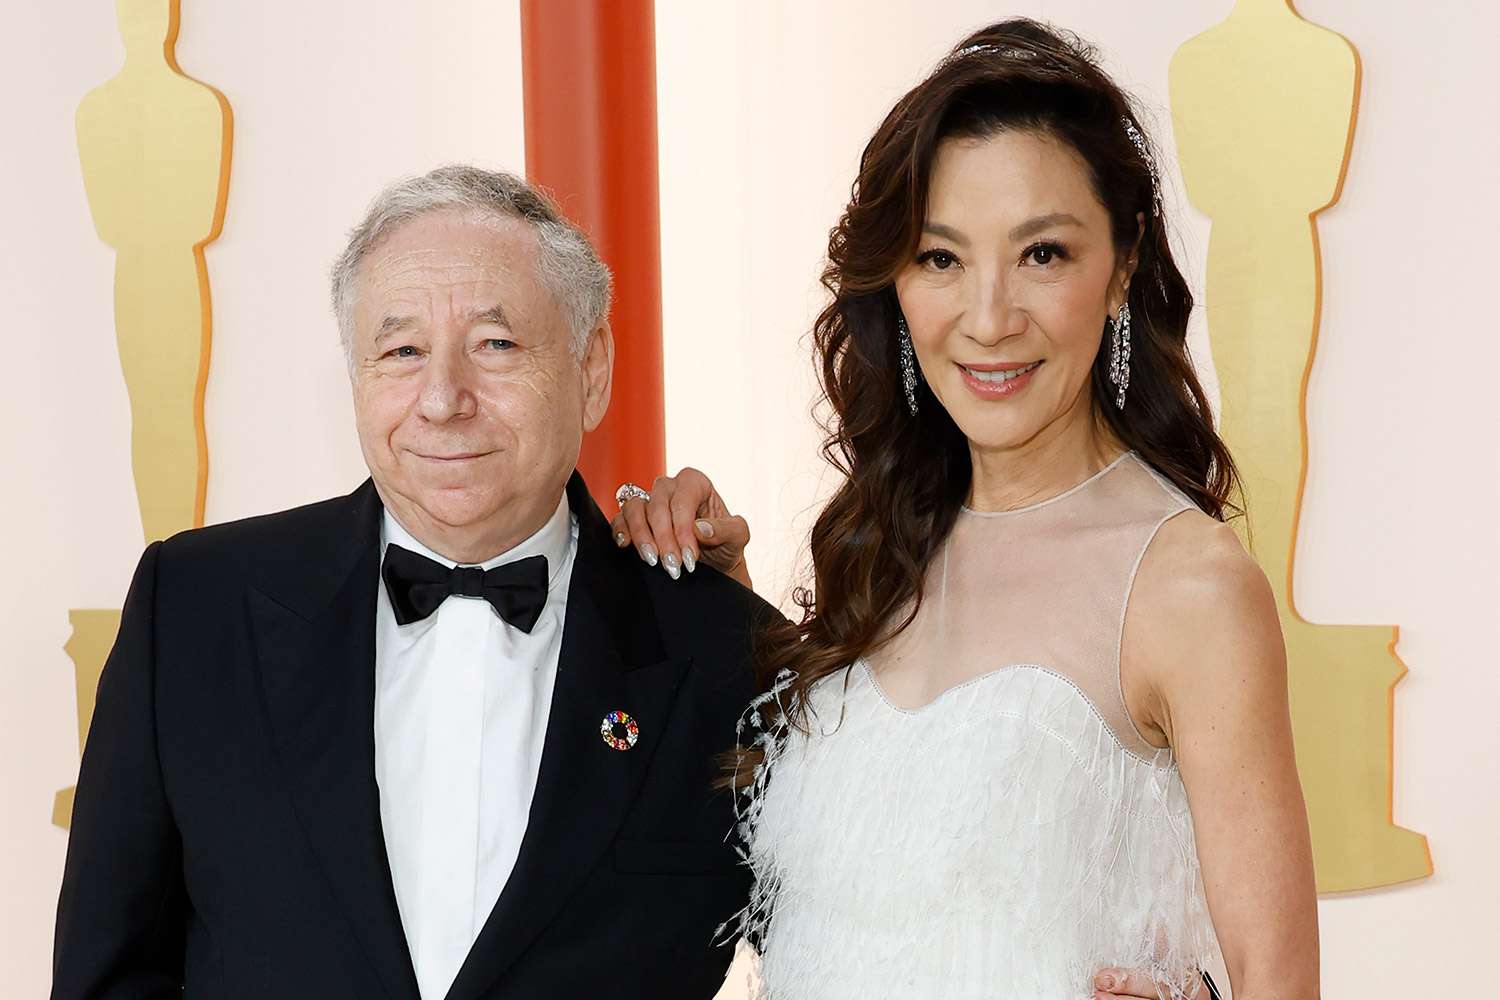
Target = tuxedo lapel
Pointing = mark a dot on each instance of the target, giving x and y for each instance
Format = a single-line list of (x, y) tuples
[(313, 627), (612, 658)]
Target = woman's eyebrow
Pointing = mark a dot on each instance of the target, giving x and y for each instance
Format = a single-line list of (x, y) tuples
[(945, 232), (1033, 226), (1028, 228)]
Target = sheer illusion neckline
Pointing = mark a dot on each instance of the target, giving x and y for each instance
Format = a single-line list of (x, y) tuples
[(1052, 499)]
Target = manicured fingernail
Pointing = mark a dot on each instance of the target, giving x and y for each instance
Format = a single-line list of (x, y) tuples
[(689, 563), (620, 539), (672, 566), (705, 529), (648, 553)]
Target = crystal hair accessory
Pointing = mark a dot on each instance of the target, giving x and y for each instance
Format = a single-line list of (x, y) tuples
[(1132, 132), (1139, 142), (999, 50)]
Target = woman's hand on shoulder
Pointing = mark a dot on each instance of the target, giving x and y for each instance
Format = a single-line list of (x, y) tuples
[(1203, 638), (683, 523)]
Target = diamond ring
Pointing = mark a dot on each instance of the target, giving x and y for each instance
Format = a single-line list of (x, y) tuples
[(630, 491)]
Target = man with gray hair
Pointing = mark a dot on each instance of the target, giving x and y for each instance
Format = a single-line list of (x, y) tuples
[(439, 737)]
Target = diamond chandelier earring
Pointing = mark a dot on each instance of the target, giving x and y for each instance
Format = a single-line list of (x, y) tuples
[(1119, 353), (908, 364)]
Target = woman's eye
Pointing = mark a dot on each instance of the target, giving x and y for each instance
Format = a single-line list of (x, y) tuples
[(938, 260), (406, 351), (1044, 253), (499, 344)]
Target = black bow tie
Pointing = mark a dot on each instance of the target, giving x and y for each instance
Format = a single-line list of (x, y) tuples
[(417, 585)]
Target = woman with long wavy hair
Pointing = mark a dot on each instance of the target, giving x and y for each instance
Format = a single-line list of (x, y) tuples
[(1033, 718)]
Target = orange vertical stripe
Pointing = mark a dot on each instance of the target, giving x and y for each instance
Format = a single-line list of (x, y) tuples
[(589, 84)]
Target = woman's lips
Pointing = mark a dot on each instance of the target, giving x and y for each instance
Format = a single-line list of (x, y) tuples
[(995, 386)]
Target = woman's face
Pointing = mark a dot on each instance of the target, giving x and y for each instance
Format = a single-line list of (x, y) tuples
[(1014, 275)]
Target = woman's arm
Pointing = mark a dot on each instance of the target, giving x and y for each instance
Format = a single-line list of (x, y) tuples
[(1204, 665)]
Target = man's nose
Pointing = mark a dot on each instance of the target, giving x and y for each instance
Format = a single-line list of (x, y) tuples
[(993, 313), (447, 388)]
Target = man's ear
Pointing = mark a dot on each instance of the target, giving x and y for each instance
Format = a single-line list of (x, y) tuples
[(598, 370)]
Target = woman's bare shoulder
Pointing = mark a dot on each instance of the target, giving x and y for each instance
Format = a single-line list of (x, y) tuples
[(1199, 589), (1199, 560)]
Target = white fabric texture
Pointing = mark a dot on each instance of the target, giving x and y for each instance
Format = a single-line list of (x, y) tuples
[(1015, 834), (461, 707)]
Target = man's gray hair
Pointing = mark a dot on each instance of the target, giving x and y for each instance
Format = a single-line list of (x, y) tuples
[(566, 261)]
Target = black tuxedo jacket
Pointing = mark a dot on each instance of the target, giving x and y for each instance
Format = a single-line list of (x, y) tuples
[(226, 837)]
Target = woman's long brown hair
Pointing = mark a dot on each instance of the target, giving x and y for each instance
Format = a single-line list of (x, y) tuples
[(905, 477)]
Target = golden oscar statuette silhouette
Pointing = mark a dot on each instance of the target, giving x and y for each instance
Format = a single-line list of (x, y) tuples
[(1263, 109), (154, 145)]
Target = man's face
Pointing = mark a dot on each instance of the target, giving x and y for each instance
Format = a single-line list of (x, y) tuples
[(469, 400)]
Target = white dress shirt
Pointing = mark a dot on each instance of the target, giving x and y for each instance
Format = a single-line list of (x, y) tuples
[(461, 707)]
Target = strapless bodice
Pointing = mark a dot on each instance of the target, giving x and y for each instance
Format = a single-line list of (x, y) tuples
[(998, 842)]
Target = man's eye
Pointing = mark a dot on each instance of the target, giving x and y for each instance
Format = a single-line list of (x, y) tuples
[(405, 351), (499, 344)]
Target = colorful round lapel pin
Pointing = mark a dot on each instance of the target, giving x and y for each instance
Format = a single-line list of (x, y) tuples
[(619, 730)]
